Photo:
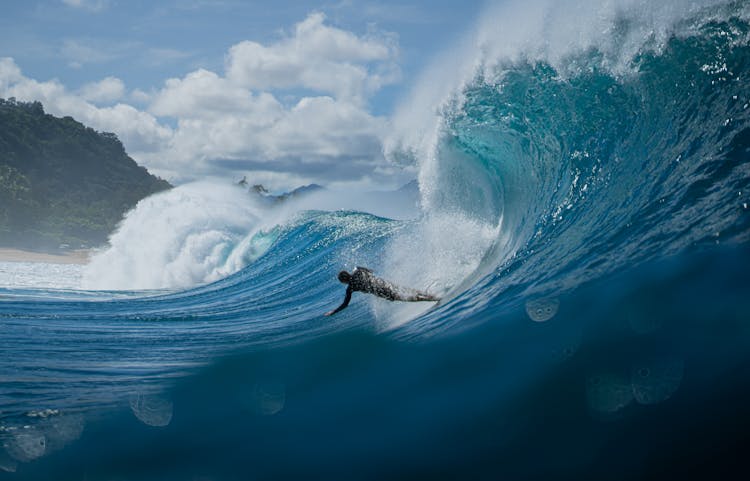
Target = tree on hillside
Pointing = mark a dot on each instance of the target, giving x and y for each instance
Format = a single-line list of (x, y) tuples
[(62, 182)]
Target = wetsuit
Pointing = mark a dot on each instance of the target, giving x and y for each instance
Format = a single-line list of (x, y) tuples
[(363, 280)]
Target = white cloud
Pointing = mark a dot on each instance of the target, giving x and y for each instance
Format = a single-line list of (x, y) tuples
[(317, 57), (236, 121), (106, 90), (9, 73), (139, 131), (140, 97), (318, 130), (203, 94), (324, 127), (232, 123)]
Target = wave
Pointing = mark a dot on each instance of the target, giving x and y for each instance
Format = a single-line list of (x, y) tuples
[(201, 232), (583, 175), (591, 136), (193, 234), (573, 139)]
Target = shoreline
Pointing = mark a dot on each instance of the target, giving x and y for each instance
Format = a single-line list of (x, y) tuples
[(80, 256)]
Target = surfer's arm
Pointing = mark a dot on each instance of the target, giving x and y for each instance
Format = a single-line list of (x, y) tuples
[(344, 304)]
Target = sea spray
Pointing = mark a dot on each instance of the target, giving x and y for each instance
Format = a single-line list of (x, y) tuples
[(204, 231), (436, 254), (193, 234)]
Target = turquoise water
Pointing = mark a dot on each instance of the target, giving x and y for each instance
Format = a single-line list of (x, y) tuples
[(585, 217)]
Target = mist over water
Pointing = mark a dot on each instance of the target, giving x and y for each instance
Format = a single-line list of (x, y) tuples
[(192, 234)]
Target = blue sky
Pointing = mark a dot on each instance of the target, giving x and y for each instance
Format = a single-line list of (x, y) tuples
[(285, 92)]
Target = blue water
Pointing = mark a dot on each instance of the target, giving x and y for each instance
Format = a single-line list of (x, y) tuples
[(585, 218)]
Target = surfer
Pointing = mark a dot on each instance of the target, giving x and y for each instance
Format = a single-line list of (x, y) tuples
[(363, 280)]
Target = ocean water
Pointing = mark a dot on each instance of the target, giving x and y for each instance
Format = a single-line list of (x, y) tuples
[(40, 275), (582, 207)]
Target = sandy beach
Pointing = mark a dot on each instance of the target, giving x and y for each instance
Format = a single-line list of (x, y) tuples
[(18, 255)]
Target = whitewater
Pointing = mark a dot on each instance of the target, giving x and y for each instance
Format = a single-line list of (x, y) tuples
[(581, 205)]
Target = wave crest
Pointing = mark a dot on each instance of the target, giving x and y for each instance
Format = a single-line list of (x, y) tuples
[(192, 234)]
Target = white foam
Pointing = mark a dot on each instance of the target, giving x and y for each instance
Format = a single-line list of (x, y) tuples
[(435, 255), (192, 234), (204, 231)]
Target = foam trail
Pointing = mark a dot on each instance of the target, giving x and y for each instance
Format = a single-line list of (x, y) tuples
[(192, 234)]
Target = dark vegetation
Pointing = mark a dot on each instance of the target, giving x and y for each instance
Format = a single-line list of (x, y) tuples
[(62, 183)]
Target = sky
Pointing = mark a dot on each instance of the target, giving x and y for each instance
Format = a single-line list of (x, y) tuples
[(284, 92)]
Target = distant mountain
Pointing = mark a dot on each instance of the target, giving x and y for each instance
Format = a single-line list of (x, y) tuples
[(263, 192), (305, 189), (62, 183)]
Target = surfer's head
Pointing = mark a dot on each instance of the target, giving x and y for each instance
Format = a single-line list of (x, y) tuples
[(345, 277)]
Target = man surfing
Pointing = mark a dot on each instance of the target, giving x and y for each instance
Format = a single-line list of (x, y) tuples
[(363, 280)]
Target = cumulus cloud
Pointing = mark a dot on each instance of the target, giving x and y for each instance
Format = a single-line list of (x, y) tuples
[(293, 109), (106, 90), (139, 131), (316, 130), (235, 121), (140, 97), (9, 73), (204, 94), (317, 57)]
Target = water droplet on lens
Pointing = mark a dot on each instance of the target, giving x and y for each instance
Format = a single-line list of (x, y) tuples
[(655, 381), (26, 445), (608, 392), (152, 410), (7, 464), (62, 430), (268, 399), (543, 309)]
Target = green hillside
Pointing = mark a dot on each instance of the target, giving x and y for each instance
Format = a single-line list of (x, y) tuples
[(62, 182)]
